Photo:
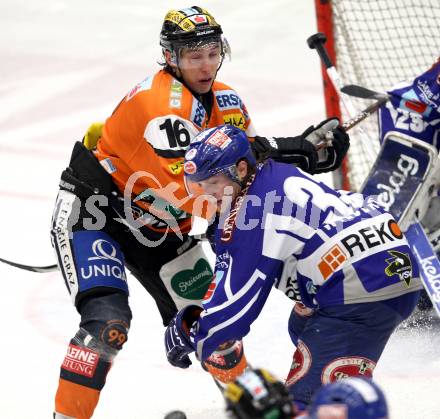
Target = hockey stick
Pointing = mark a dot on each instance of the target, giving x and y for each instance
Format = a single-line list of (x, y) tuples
[(352, 122), (42, 269), (427, 260), (364, 114), (362, 92), (317, 42), (429, 265)]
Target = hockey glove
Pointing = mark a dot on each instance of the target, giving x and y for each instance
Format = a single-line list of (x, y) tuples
[(177, 342), (292, 150), (330, 157)]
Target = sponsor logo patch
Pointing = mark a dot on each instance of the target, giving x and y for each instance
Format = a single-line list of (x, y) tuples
[(193, 283), (344, 367), (406, 166), (229, 224), (198, 18), (219, 139), (198, 113), (212, 286), (176, 168), (331, 261), (111, 264), (369, 237), (190, 167), (191, 154), (222, 261), (99, 260), (235, 119), (176, 94), (81, 361), (228, 99), (143, 85)]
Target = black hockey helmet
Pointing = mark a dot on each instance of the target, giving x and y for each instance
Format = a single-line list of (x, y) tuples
[(192, 27), (256, 394)]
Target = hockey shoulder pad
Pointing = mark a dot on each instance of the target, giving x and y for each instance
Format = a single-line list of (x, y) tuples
[(403, 177)]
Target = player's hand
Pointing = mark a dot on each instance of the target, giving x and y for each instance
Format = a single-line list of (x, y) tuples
[(177, 342), (292, 150), (335, 140)]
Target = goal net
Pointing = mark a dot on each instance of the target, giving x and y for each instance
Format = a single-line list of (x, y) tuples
[(375, 44)]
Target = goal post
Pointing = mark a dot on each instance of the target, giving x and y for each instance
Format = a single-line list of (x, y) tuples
[(375, 44)]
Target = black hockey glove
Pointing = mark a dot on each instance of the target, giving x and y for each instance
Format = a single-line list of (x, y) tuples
[(330, 157), (292, 150)]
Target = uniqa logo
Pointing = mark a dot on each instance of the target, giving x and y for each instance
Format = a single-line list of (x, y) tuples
[(104, 251), (100, 251), (406, 166)]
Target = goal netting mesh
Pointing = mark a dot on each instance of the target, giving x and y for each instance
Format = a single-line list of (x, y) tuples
[(377, 44)]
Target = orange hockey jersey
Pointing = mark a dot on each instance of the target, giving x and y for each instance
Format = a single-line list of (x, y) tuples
[(144, 141)]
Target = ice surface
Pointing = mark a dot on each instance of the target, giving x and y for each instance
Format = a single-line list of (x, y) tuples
[(66, 64)]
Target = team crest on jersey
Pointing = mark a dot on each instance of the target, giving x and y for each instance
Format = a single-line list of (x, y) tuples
[(399, 264), (345, 367), (302, 361)]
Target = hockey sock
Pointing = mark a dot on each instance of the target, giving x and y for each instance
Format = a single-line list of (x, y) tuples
[(227, 363)]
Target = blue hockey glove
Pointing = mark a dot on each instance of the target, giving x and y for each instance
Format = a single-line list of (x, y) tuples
[(177, 342)]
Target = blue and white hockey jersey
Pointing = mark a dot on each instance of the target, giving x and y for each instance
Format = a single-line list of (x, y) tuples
[(414, 108), (317, 245)]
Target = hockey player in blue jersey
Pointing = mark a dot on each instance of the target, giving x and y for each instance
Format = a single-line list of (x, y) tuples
[(414, 108), (414, 111), (339, 256)]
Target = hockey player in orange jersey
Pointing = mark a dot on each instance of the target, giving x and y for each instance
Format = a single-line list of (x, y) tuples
[(123, 203)]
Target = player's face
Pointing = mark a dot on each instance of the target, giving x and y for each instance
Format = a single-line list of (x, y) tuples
[(221, 188), (199, 67)]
